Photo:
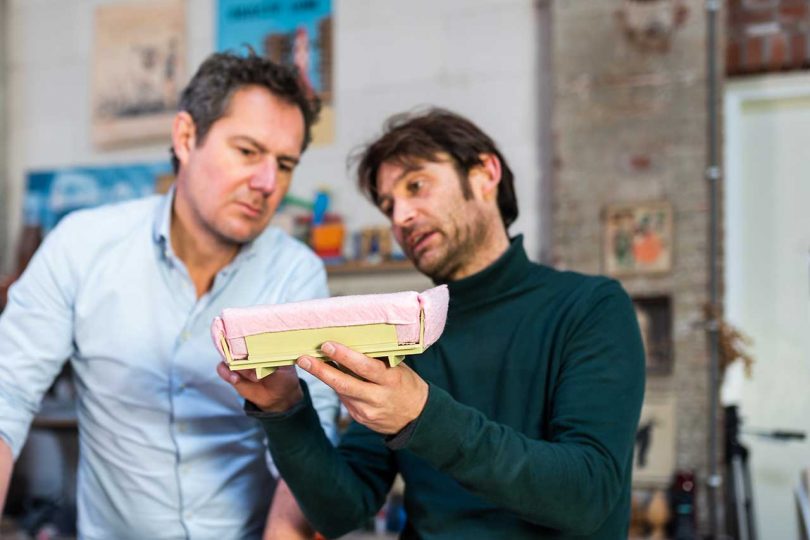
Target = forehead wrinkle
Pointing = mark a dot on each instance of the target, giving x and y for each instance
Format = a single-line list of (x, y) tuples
[(239, 107), (249, 140)]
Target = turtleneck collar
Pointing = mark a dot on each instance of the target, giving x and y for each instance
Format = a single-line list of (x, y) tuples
[(507, 272)]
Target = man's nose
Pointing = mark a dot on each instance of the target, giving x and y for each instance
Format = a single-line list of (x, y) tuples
[(403, 212), (264, 179)]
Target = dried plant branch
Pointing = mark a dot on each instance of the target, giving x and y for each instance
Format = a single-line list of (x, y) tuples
[(734, 343)]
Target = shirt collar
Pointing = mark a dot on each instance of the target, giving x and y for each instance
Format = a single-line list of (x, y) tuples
[(161, 225)]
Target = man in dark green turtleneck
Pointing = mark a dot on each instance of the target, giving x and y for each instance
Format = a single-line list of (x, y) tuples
[(519, 422)]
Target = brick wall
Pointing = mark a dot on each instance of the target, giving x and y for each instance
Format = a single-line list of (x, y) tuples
[(630, 126), (767, 36)]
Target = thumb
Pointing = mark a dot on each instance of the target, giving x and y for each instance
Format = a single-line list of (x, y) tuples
[(227, 375)]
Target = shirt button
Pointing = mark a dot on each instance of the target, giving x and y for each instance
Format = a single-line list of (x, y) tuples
[(181, 388), (181, 427), (185, 336)]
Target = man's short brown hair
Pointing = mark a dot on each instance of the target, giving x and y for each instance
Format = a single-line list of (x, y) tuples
[(412, 137)]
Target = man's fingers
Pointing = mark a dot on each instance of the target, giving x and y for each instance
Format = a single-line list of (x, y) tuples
[(248, 374), (226, 374), (368, 368), (235, 377), (342, 383)]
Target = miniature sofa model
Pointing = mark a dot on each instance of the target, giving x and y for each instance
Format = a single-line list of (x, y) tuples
[(379, 325)]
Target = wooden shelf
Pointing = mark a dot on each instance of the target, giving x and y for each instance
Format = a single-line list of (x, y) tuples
[(363, 267)]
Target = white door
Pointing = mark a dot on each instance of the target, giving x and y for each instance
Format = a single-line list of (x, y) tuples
[(767, 272)]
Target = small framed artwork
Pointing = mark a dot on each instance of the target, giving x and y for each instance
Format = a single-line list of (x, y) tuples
[(654, 314), (138, 70), (297, 32), (654, 453), (637, 239)]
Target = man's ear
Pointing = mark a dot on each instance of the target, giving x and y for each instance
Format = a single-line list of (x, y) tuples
[(487, 176), (184, 136)]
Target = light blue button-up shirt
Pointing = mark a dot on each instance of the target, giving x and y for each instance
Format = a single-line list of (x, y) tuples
[(165, 448)]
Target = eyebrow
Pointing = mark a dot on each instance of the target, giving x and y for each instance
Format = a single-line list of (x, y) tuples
[(408, 169), (261, 148)]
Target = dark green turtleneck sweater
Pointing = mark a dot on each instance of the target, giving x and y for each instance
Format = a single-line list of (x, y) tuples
[(535, 390)]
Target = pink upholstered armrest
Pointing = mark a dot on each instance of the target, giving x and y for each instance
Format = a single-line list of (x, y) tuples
[(401, 309)]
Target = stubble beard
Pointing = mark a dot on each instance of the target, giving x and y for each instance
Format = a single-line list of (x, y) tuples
[(460, 248)]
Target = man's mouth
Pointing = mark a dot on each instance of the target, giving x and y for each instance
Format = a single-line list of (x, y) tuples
[(419, 241), (250, 210)]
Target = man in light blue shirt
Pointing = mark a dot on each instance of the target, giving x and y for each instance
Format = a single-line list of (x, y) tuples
[(127, 293)]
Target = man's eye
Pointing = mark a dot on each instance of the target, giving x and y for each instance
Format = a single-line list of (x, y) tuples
[(414, 186), (247, 152), (386, 208), (285, 167)]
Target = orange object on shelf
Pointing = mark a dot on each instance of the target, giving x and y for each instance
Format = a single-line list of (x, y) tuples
[(326, 239)]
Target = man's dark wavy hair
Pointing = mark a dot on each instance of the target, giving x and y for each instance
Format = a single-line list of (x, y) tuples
[(411, 137), (207, 96)]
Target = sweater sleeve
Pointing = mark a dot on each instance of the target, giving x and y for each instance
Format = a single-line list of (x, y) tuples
[(573, 478), (337, 488)]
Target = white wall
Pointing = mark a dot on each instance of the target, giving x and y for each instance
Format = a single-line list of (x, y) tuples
[(478, 57), (768, 278)]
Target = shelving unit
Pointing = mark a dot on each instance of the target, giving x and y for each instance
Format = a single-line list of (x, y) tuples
[(364, 267), (359, 277)]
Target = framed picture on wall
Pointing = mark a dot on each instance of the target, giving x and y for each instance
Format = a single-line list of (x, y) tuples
[(654, 314), (637, 239), (52, 194), (289, 32), (139, 69), (654, 453)]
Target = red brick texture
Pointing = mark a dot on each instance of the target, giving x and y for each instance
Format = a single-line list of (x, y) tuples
[(767, 36)]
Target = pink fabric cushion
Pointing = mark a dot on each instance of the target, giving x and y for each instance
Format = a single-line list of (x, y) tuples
[(434, 301), (400, 309)]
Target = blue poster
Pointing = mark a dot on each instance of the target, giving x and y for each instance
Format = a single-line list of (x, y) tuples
[(295, 32), (51, 195)]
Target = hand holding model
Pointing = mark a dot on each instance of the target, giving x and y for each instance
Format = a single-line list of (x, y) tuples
[(382, 398)]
